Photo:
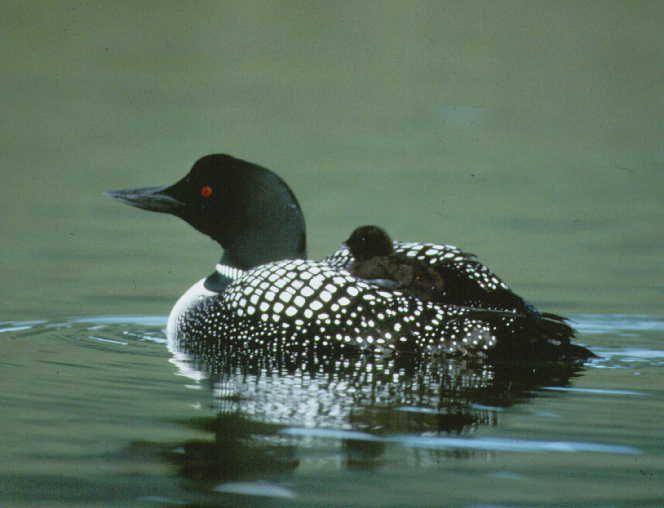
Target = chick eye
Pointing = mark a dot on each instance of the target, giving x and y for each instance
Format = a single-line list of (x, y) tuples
[(206, 191)]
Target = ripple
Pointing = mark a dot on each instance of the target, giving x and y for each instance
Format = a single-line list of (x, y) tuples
[(122, 320), (264, 489), (597, 391), (633, 353), (510, 445), (109, 341), (14, 328), (17, 326), (612, 323), (487, 444)]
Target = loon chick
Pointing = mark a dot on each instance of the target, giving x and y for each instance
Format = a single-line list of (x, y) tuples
[(264, 294), (374, 259)]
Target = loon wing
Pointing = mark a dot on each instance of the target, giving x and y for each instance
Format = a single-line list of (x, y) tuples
[(468, 282)]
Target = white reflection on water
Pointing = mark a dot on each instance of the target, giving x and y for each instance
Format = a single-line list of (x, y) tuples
[(612, 323), (485, 443), (256, 489), (109, 341), (598, 391), (14, 328), (119, 320)]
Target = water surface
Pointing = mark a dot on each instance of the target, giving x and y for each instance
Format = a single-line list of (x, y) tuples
[(98, 412)]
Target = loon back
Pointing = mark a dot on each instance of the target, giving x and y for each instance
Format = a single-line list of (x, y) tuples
[(467, 281), (308, 306)]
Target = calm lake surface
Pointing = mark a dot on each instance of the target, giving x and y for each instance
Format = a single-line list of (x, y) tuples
[(529, 133)]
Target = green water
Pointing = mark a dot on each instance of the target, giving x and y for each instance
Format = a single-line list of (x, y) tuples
[(527, 132)]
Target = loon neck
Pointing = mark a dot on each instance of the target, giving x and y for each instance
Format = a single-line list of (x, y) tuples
[(259, 247), (271, 227)]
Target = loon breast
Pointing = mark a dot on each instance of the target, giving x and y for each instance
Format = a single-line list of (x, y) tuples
[(189, 300)]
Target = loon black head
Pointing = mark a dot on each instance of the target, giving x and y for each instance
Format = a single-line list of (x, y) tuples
[(369, 241), (246, 208)]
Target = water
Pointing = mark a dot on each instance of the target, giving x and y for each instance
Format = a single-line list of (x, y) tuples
[(98, 412), (529, 133)]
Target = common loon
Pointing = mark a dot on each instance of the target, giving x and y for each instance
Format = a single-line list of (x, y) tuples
[(374, 259), (265, 294)]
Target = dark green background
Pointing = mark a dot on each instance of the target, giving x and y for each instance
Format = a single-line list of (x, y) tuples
[(528, 132)]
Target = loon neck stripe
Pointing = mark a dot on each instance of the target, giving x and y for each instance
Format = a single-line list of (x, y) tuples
[(229, 271)]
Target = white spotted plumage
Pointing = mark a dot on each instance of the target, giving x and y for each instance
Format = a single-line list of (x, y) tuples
[(314, 303)]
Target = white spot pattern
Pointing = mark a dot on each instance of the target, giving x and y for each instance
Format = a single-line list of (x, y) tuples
[(327, 307), (311, 305)]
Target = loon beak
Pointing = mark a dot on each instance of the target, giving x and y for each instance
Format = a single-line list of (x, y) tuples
[(155, 199)]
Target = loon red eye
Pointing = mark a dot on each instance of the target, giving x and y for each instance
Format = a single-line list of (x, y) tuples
[(206, 191)]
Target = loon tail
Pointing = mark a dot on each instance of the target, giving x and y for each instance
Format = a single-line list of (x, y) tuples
[(544, 337)]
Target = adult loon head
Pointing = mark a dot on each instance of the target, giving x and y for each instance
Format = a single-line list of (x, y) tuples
[(246, 208)]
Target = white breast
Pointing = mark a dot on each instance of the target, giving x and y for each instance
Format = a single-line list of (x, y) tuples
[(193, 295)]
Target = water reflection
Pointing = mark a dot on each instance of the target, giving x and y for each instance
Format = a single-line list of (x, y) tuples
[(233, 451), (272, 405), (365, 392)]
